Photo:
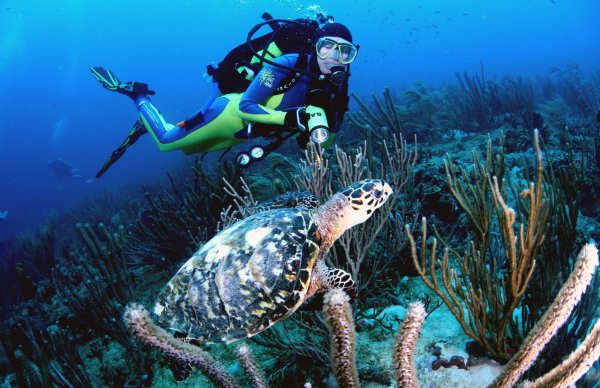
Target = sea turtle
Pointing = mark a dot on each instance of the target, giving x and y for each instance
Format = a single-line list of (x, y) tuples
[(262, 268)]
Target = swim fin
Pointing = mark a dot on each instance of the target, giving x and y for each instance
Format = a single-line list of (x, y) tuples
[(136, 131), (110, 82)]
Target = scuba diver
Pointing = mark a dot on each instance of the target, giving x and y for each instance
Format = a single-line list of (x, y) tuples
[(301, 93), (63, 169)]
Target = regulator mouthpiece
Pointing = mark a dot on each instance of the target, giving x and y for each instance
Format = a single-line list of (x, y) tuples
[(338, 76)]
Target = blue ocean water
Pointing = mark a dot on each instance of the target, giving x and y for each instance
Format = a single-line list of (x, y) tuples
[(50, 106)]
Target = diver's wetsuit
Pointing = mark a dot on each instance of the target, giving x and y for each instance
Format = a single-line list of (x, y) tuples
[(225, 120)]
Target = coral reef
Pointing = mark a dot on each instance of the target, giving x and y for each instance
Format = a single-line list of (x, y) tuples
[(338, 314), (250, 367), (551, 321), (471, 102), (64, 288), (404, 347), (475, 103), (177, 221), (138, 320), (576, 365), (378, 124), (482, 299)]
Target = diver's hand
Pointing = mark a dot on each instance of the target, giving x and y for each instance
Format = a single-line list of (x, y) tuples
[(303, 139), (297, 119)]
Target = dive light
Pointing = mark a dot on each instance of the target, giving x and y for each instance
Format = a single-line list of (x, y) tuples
[(317, 124)]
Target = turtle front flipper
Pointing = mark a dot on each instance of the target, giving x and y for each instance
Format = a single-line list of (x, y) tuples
[(329, 278)]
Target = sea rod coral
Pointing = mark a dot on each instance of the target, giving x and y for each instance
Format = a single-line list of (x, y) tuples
[(338, 315)]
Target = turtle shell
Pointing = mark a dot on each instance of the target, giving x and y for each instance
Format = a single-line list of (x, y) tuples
[(244, 279), (290, 199)]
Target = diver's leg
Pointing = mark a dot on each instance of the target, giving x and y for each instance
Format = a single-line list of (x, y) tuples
[(197, 117), (151, 118), (217, 132), (162, 132), (213, 130)]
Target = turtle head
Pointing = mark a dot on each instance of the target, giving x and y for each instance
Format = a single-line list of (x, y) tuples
[(351, 206), (363, 198)]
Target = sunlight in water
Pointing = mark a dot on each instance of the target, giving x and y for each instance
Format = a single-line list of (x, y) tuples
[(11, 35)]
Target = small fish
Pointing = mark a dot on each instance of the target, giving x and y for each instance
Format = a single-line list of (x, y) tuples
[(465, 14)]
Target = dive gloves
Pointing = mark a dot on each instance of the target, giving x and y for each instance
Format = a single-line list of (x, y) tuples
[(297, 119)]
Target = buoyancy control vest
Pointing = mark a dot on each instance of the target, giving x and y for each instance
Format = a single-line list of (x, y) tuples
[(235, 72)]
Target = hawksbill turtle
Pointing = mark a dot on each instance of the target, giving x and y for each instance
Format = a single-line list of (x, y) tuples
[(262, 268)]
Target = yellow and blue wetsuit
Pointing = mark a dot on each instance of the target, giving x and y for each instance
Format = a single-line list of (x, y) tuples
[(265, 102)]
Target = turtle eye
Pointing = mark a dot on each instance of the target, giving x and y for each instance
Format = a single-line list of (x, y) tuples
[(377, 193)]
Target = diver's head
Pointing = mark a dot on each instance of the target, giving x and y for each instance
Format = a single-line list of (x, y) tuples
[(334, 47)]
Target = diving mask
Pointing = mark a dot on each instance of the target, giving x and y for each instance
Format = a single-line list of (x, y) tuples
[(344, 52)]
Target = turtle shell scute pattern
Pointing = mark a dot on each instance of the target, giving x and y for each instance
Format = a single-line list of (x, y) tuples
[(291, 199), (244, 279)]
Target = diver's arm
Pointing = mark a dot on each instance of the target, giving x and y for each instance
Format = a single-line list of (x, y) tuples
[(336, 112), (262, 87)]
